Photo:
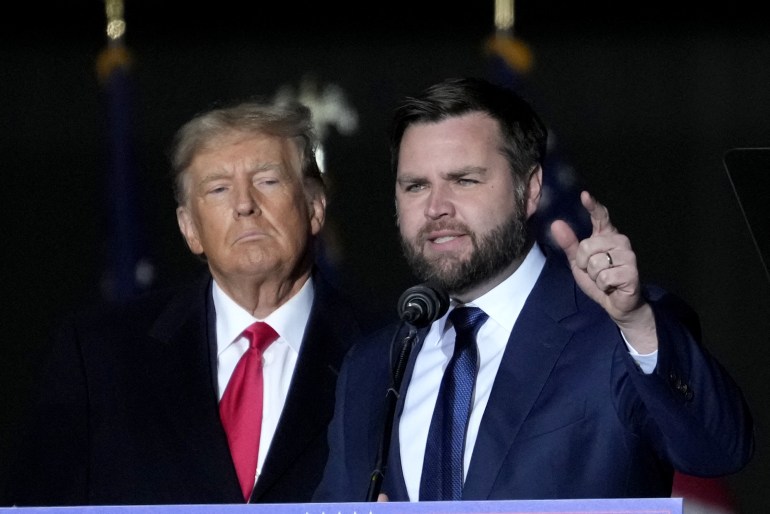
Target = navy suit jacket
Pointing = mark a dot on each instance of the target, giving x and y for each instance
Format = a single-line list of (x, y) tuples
[(570, 414), (129, 412)]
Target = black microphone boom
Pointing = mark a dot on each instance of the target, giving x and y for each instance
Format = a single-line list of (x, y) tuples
[(419, 306), (422, 304)]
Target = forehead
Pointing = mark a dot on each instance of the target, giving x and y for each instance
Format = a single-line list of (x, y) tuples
[(245, 150), (460, 140)]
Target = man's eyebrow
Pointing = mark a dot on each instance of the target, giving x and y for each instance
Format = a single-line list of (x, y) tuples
[(464, 171), (410, 177), (268, 166), (214, 175), (451, 175)]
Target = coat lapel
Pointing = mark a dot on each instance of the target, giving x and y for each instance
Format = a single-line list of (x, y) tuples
[(536, 341), (310, 402), (394, 483), (187, 350)]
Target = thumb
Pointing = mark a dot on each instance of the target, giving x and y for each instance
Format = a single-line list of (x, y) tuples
[(565, 237), (382, 497)]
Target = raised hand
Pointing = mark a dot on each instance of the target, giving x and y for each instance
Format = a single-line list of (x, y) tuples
[(604, 266)]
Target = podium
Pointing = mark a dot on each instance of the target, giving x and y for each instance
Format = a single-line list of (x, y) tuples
[(597, 506)]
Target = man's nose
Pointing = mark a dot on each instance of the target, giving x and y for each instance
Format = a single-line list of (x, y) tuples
[(439, 202), (245, 202)]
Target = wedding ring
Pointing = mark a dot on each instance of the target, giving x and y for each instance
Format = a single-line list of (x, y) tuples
[(609, 258)]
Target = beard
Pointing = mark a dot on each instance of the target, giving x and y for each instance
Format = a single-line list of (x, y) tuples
[(492, 252)]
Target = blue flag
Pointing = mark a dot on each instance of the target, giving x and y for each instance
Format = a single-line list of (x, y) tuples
[(128, 270), (510, 59)]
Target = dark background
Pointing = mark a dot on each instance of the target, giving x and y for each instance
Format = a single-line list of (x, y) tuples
[(644, 98)]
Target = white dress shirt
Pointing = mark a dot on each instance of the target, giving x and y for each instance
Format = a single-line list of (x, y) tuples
[(279, 359), (503, 305)]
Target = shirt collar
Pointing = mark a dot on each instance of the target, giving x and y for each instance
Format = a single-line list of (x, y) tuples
[(288, 320), (509, 296)]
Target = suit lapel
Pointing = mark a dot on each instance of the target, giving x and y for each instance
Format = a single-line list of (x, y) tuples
[(187, 345), (394, 483), (536, 341), (310, 402)]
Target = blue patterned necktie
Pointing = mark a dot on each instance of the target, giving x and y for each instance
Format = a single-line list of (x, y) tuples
[(442, 471)]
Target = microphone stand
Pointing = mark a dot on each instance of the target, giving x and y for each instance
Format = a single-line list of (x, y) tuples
[(391, 397)]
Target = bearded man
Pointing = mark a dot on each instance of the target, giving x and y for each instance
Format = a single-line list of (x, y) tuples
[(554, 373)]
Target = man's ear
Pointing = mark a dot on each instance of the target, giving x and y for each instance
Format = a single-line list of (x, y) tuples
[(188, 229), (316, 198), (534, 189)]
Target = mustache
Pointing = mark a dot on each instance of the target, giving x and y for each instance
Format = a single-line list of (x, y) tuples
[(435, 226)]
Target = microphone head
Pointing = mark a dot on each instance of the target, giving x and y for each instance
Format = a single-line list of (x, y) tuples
[(422, 304)]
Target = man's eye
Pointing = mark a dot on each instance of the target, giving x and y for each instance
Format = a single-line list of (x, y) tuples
[(266, 181), (466, 181), (413, 188)]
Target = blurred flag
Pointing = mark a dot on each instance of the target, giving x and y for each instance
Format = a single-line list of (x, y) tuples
[(331, 109), (127, 268), (704, 495), (509, 61)]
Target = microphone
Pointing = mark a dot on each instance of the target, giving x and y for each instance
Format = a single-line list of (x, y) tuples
[(419, 306), (422, 304)]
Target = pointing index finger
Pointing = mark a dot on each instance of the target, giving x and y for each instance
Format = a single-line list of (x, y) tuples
[(600, 216)]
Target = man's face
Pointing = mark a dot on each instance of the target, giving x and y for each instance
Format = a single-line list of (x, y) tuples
[(462, 223), (247, 210)]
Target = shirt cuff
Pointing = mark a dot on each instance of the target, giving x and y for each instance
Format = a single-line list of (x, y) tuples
[(645, 362)]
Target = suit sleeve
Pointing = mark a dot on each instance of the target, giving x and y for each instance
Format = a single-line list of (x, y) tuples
[(52, 460), (335, 484), (357, 425), (697, 415)]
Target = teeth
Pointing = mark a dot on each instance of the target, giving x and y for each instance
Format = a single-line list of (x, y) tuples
[(443, 239)]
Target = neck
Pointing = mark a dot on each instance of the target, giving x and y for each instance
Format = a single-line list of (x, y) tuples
[(261, 296), (482, 287)]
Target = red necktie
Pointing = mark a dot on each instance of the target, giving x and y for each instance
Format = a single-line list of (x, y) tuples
[(241, 406)]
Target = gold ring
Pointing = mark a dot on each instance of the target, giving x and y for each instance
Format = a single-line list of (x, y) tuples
[(609, 258)]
